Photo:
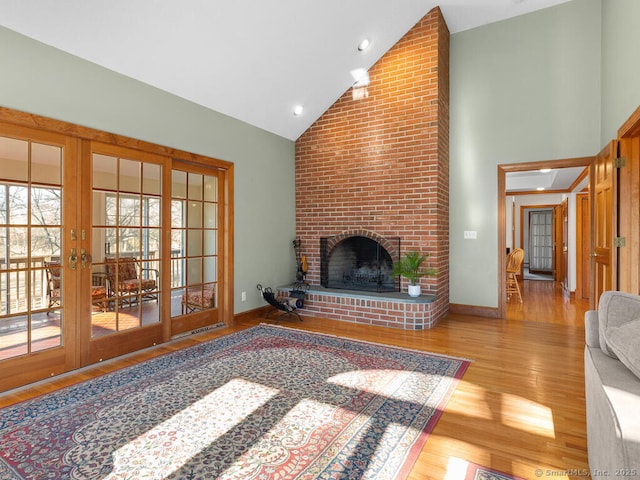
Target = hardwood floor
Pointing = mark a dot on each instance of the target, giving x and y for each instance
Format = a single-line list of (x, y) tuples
[(519, 408)]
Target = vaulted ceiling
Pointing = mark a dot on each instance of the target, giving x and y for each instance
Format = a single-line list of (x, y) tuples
[(254, 60)]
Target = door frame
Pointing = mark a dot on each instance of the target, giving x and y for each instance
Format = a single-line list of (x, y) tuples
[(503, 169)]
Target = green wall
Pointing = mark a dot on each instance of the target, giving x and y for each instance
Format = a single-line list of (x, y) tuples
[(620, 64), (552, 84), (42, 80), (522, 90)]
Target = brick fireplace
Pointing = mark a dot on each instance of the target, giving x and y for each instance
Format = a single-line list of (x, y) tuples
[(376, 164)]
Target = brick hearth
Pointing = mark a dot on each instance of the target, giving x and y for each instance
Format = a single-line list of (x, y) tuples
[(378, 162)]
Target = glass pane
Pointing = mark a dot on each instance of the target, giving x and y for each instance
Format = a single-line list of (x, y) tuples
[(152, 179), (178, 184), (4, 281), (194, 215), (150, 315), (129, 315), (105, 208), (46, 161), (195, 186), (210, 273), (194, 243), (3, 203), (210, 188), (130, 177), (194, 271), (151, 242), (177, 214), (17, 291), (176, 302), (16, 343), (14, 159), (3, 251), (46, 331), (39, 290), (102, 325), (105, 172), (18, 244), (103, 243), (177, 243), (46, 206), (18, 205), (210, 242), (129, 212), (210, 215), (129, 242), (151, 212), (46, 243), (177, 272)]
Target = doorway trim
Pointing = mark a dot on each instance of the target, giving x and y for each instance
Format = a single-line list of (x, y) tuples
[(503, 169)]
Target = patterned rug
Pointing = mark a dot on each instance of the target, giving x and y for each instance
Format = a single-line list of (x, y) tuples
[(459, 469), (265, 403)]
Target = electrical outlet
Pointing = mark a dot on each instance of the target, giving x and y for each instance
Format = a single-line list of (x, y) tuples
[(244, 296), (470, 234)]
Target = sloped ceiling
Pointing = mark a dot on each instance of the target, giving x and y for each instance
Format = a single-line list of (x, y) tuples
[(253, 60)]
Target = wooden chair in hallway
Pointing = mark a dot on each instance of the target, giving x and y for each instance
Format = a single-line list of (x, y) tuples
[(514, 263)]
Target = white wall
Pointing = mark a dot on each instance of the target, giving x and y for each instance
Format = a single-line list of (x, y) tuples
[(522, 90), (39, 79)]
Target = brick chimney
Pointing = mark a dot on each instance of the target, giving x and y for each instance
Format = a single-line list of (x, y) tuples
[(378, 159)]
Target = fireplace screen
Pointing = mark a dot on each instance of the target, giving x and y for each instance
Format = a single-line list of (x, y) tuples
[(358, 263)]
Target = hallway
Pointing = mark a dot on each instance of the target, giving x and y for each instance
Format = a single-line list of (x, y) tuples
[(545, 303)]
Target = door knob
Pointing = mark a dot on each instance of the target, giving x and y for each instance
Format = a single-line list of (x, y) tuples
[(73, 259), (85, 258)]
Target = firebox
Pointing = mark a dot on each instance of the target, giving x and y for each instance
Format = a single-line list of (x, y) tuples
[(359, 262)]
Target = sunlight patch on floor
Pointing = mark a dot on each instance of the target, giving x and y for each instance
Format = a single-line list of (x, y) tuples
[(169, 445)]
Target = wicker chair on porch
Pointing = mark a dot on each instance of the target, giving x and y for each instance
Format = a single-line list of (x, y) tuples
[(198, 298), (514, 263), (128, 281), (54, 271)]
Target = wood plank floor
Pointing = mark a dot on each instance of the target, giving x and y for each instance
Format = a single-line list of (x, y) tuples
[(520, 407)]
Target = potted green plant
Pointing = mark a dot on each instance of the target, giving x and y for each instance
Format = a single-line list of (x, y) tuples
[(410, 267)]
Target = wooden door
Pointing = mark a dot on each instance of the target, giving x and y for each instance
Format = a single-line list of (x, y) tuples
[(603, 191), (565, 244), (122, 229), (38, 247), (583, 246), (557, 243), (196, 227), (629, 214)]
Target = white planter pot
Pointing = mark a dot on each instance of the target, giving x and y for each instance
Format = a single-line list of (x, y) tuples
[(414, 290)]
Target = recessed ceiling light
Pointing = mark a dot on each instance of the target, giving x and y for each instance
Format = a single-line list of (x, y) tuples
[(297, 110), (540, 189), (545, 170), (363, 45)]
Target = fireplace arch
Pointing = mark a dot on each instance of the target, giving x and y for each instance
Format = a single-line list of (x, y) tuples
[(359, 261)]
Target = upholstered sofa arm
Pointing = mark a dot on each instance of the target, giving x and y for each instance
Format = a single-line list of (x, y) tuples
[(591, 329)]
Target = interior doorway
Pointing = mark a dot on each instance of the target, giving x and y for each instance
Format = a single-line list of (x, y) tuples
[(509, 234)]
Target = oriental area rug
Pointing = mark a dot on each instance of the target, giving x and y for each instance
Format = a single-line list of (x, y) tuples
[(265, 403)]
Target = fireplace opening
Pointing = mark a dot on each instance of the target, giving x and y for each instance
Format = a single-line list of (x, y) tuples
[(358, 263)]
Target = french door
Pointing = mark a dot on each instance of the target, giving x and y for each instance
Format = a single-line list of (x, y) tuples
[(38, 236), (105, 248), (122, 244)]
